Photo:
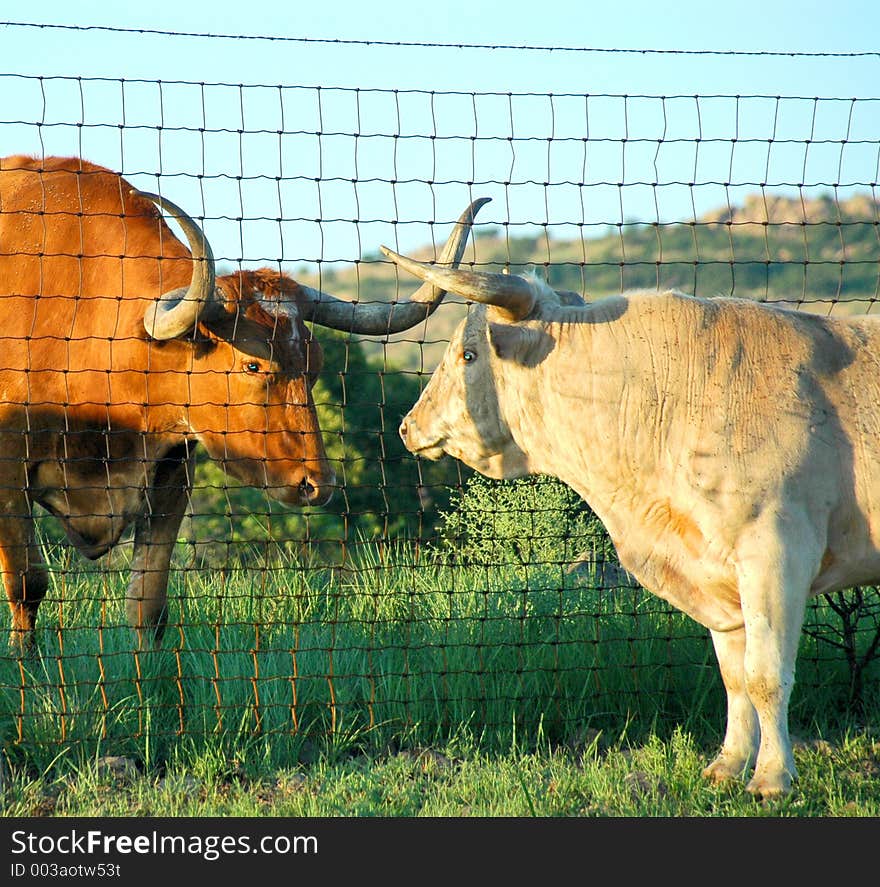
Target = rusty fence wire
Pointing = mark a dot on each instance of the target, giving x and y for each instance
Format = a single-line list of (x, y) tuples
[(420, 597)]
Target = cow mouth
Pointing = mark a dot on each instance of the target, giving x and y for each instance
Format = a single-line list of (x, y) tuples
[(306, 492), (431, 451), (312, 485)]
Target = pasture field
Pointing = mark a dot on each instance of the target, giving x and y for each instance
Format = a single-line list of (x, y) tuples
[(398, 688)]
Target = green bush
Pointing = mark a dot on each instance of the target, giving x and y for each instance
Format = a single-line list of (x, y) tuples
[(528, 521)]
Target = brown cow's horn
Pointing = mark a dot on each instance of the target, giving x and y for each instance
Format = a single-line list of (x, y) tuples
[(512, 296), (178, 311), (395, 317)]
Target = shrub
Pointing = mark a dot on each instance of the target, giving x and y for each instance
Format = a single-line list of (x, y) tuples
[(531, 520)]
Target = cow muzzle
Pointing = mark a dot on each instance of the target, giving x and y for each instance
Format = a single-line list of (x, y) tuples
[(414, 441), (314, 489)]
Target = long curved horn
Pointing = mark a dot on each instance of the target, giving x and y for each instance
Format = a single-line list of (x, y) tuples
[(177, 312), (395, 317), (512, 296)]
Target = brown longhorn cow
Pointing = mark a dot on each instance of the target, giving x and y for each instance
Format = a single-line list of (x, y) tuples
[(120, 349)]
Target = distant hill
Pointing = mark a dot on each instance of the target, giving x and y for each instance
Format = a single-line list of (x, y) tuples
[(821, 254)]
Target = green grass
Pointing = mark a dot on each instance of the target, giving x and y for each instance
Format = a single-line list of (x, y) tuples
[(658, 777), (398, 688)]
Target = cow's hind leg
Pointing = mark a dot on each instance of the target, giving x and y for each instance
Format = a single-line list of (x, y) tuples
[(777, 564), (154, 539), (740, 745)]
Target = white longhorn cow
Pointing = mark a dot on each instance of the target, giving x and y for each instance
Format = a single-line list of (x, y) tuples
[(731, 449)]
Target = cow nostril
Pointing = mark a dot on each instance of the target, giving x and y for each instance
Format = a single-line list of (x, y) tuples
[(402, 430), (308, 490)]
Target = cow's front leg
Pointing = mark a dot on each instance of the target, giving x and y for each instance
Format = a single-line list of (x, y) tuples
[(777, 564), (25, 577), (155, 536), (740, 744)]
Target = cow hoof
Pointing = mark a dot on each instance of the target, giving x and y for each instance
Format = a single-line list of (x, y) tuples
[(724, 769), (770, 786), (21, 644)]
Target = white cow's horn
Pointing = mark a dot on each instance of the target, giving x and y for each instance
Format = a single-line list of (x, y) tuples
[(511, 295)]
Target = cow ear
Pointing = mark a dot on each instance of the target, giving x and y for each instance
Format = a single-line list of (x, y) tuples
[(525, 345), (506, 339)]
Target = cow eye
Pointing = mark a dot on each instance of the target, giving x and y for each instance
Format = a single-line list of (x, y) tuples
[(252, 366), (467, 355)]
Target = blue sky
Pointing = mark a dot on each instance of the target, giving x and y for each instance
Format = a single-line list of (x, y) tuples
[(850, 25), (481, 115)]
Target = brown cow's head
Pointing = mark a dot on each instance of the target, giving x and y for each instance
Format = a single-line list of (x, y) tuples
[(250, 401), (251, 361)]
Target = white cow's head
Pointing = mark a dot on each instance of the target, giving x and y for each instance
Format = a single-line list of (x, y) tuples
[(469, 408)]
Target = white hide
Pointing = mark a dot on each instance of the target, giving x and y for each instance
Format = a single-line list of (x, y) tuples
[(731, 449)]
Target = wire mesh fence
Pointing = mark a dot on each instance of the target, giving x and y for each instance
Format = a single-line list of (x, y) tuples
[(197, 461)]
